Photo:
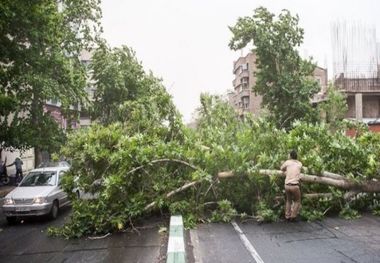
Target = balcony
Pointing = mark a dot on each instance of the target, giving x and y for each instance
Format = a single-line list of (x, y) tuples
[(244, 73), (358, 85), (245, 92), (244, 80)]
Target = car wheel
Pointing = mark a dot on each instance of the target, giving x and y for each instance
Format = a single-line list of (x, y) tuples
[(54, 210), (6, 180), (11, 220)]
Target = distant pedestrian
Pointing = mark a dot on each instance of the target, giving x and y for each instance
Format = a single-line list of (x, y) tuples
[(18, 163), (292, 169)]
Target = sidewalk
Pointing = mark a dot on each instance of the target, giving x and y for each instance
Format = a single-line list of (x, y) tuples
[(5, 189)]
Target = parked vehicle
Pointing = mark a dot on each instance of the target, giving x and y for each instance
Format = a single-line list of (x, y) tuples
[(39, 193), (4, 179), (81, 194)]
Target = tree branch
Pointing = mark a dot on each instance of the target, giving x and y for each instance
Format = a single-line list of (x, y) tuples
[(182, 188), (163, 161), (366, 186)]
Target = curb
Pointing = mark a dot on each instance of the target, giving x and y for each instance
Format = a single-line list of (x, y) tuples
[(176, 243)]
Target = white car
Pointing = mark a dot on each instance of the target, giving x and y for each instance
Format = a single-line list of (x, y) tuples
[(39, 193)]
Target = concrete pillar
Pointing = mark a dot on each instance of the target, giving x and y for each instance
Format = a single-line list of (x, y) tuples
[(359, 106)]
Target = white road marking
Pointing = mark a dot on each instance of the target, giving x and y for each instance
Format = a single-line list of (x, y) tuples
[(176, 221), (247, 244), (176, 244), (196, 246)]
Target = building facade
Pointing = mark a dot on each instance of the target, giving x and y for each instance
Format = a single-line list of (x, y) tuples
[(363, 97), (244, 100)]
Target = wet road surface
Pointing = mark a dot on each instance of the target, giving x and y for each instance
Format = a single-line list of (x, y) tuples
[(28, 242), (332, 240)]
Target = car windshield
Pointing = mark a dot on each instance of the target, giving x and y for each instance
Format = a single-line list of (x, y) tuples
[(47, 178)]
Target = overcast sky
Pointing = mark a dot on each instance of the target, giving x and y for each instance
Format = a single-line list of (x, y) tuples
[(185, 42)]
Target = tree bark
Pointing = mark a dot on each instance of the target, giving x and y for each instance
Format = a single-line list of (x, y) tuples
[(333, 176), (37, 156), (36, 112), (371, 186), (182, 188)]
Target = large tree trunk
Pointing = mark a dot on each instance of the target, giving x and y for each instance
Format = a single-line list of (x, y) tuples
[(37, 156), (326, 178), (36, 112)]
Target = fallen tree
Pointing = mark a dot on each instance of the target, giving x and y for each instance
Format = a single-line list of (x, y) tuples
[(339, 181), (158, 168)]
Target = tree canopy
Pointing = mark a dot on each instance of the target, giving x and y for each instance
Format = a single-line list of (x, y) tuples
[(283, 78), (122, 87), (40, 43)]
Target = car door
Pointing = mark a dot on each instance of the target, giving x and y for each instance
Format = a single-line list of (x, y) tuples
[(62, 195)]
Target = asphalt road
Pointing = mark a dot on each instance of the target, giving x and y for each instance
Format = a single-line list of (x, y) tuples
[(28, 242), (332, 240)]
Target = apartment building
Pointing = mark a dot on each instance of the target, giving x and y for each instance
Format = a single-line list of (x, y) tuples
[(244, 100)]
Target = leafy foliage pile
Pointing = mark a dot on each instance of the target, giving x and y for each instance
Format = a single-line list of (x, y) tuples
[(138, 163)]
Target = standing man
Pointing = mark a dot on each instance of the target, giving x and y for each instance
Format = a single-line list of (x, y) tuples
[(292, 169), (18, 163)]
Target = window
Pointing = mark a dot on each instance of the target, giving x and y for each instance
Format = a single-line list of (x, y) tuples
[(245, 102), (244, 80)]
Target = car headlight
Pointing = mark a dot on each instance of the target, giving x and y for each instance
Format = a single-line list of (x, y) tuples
[(8, 201), (39, 200)]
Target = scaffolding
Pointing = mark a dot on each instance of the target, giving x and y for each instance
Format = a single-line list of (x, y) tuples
[(356, 52)]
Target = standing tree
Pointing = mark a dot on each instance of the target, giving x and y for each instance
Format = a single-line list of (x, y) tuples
[(334, 108), (283, 77), (118, 77), (126, 93), (40, 42)]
